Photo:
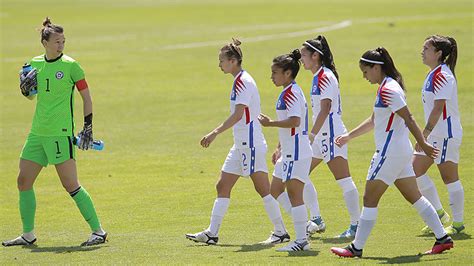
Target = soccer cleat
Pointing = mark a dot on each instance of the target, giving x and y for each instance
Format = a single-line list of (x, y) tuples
[(203, 237), (295, 246), (350, 251), (453, 230), (442, 244), (276, 239), (316, 225), (349, 233), (444, 218), (95, 239), (19, 241)]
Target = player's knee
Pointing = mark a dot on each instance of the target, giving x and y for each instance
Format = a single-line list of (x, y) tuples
[(222, 188), (24, 183), (370, 201)]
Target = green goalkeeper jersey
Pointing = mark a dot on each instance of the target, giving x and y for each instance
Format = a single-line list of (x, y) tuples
[(54, 115)]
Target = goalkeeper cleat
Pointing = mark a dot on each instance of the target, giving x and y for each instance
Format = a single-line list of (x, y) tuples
[(203, 237), (276, 239), (19, 241), (349, 252), (453, 230), (295, 246), (316, 225), (442, 244), (444, 218), (95, 239), (349, 233)]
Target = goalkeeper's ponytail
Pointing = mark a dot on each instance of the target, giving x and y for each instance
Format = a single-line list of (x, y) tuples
[(48, 29)]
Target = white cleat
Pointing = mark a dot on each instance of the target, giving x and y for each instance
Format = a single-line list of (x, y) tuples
[(276, 239), (295, 246), (95, 239), (19, 241), (315, 226), (203, 237)]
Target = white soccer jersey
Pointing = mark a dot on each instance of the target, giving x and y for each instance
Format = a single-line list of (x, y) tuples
[(294, 142), (248, 131), (440, 84), (326, 86), (391, 133)]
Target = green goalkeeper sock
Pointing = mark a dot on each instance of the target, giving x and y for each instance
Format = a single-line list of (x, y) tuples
[(27, 209), (85, 205)]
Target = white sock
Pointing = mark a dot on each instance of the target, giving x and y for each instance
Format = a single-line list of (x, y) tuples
[(366, 223), (429, 215), (100, 231), (456, 200), (428, 190), (273, 211), (284, 201), (310, 196), (30, 236), (300, 217), (218, 211), (351, 197)]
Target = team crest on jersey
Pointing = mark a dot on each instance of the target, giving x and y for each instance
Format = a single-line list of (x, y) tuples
[(59, 75)]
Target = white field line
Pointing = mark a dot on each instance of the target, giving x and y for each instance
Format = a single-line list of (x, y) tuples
[(279, 36), (123, 37)]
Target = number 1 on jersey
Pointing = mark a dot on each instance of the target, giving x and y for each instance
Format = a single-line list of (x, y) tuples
[(47, 85)]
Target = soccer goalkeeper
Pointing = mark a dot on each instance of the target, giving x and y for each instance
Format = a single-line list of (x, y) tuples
[(52, 78)]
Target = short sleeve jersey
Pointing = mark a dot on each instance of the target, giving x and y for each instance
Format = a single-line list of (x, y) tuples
[(54, 114), (248, 131), (294, 142), (391, 133), (326, 86), (440, 84)]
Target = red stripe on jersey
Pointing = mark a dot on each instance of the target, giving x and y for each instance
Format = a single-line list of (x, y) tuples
[(82, 85), (292, 131), (445, 114), (390, 120), (247, 115)]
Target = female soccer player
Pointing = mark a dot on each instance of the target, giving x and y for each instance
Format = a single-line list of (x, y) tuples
[(51, 137), (391, 163), (247, 155), (294, 150), (443, 129), (327, 124)]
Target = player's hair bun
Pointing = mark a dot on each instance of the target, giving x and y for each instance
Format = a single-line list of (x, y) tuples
[(47, 22), (236, 42), (295, 55)]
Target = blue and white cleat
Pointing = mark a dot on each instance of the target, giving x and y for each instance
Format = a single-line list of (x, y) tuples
[(316, 225), (349, 233)]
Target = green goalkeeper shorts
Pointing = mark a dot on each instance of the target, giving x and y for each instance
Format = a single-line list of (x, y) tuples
[(46, 150)]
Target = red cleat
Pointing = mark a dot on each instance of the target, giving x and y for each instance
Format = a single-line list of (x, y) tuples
[(445, 243), (347, 252)]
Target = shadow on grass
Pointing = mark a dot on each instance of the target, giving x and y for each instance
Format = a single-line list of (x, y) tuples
[(403, 259), (60, 250), (243, 248), (307, 253), (336, 240), (459, 236)]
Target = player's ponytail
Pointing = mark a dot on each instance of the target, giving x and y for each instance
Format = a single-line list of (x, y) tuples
[(233, 51), (448, 47), (49, 28), (321, 46), (289, 61), (380, 56)]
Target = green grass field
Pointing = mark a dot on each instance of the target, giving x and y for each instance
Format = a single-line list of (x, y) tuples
[(157, 89)]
